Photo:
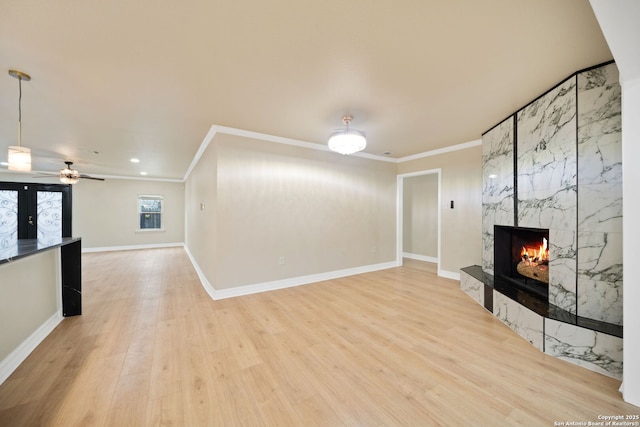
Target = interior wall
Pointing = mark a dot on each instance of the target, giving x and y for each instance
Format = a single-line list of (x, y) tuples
[(29, 296), (286, 211), (461, 182), (201, 238), (105, 212), (420, 216), (631, 210)]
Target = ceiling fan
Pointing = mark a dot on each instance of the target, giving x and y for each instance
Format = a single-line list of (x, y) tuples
[(71, 176)]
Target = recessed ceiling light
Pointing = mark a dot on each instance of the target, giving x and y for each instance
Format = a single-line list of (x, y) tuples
[(134, 160), (143, 173)]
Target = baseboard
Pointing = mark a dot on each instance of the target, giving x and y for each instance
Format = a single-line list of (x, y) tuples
[(281, 284), (420, 257), (132, 247), (441, 273), (17, 356), (449, 275), (208, 287)]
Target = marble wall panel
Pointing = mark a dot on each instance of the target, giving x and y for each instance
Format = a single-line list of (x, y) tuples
[(562, 269), (590, 349), (520, 319), (600, 276), (599, 156), (600, 195), (472, 287), (547, 141), (547, 191), (498, 185), (600, 207), (548, 209)]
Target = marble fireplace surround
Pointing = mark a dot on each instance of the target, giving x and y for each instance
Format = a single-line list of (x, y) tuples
[(556, 164)]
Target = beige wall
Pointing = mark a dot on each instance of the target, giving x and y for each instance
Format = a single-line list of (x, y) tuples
[(105, 212), (320, 211), (29, 296), (201, 237), (461, 181), (420, 215)]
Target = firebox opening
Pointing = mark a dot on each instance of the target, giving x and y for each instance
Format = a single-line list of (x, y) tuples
[(521, 259)]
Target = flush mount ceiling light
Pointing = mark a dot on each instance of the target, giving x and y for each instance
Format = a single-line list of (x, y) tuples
[(19, 157), (347, 140)]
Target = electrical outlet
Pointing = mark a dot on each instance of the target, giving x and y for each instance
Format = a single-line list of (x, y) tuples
[(281, 260), (374, 249)]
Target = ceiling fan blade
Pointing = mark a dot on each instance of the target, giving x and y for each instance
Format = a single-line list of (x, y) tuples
[(91, 177)]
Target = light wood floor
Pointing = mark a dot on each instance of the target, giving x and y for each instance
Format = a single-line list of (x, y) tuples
[(399, 347)]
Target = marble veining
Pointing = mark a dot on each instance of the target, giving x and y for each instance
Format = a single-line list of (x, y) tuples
[(600, 276), (543, 209), (498, 185), (520, 319), (547, 141), (593, 350), (599, 273), (498, 213), (472, 287), (600, 158), (569, 180), (600, 207), (562, 269)]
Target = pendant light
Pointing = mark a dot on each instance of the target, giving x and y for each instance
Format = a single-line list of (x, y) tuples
[(19, 157), (347, 140)]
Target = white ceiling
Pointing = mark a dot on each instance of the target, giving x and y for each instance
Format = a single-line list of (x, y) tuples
[(148, 79)]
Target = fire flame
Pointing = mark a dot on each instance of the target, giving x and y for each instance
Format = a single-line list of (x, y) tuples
[(536, 255)]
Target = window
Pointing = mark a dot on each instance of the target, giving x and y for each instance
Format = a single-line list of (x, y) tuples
[(150, 212)]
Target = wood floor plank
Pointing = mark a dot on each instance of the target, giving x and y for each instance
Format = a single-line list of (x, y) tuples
[(400, 346)]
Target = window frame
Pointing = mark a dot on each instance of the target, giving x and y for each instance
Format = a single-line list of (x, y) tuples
[(139, 212)]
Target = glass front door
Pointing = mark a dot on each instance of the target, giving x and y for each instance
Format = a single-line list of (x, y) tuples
[(49, 213), (34, 211), (8, 219)]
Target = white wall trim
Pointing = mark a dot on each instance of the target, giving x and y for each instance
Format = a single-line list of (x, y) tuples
[(11, 362), (443, 150), (203, 146), (132, 247), (420, 257), (449, 274), (208, 287), (281, 284), (215, 129), (301, 280)]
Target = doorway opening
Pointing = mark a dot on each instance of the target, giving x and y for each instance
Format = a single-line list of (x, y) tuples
[(422, 222)]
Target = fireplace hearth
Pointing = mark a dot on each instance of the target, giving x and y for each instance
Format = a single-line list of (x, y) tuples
[(521, 257)]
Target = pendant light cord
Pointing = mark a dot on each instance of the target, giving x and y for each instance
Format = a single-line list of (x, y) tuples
[(19, 111)]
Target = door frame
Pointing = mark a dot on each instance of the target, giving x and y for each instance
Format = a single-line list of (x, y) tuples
[(400, 213)]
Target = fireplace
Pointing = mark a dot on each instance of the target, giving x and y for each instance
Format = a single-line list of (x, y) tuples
[(521, 257)]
